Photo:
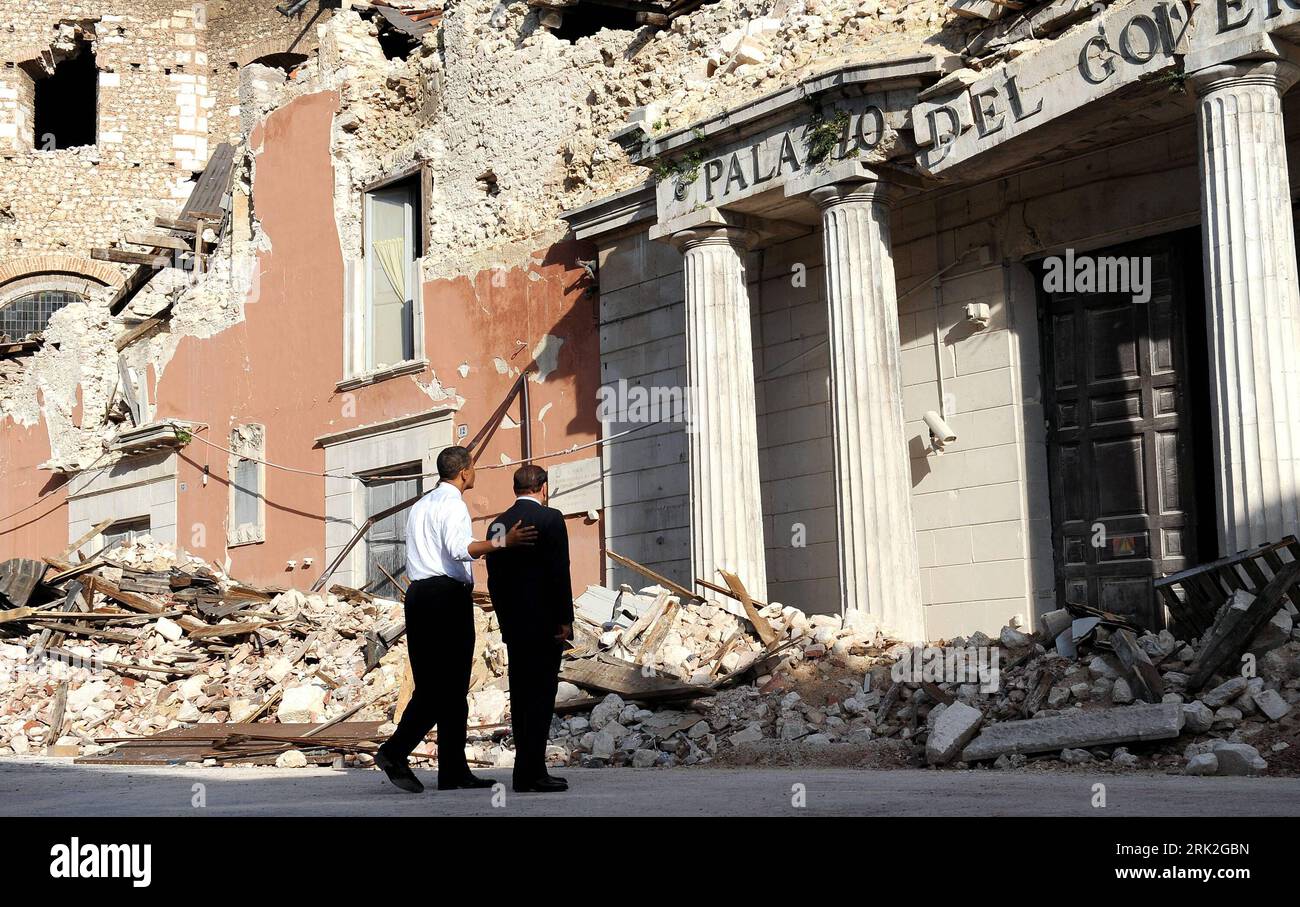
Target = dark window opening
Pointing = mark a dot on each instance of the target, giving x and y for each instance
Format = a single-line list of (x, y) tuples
[(65, 103), (31, 313), (396, 44), (585, 20), (125, 532), (285, 62)]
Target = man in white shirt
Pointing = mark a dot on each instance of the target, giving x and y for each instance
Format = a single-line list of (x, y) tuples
[(440, 625)]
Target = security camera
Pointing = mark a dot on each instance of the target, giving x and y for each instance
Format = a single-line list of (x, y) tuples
[(940, 432)]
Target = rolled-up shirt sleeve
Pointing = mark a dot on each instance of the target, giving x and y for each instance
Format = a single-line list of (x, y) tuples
[(459, 532)]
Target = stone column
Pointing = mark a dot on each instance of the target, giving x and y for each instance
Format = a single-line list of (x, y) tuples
[(722, 436), (877, 548), (1252, 296)]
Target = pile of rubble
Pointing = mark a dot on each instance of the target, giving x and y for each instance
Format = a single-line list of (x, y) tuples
[(140, 641), (144, 655)]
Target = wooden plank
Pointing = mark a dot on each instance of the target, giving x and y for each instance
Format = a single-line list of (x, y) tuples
[(57, 713), (723, 590), (68, 571), (723, 652), (131, 336), (134, 283), (120, 667), (765, 632), (1147, 682), (94, 633), (157, 241), (614, 675), (128, 257), (176, 225), (1232, 633), (206, 196), (87, 536), (239, 629), (655, 638), (136, 602), (644, 621), (686, 595)]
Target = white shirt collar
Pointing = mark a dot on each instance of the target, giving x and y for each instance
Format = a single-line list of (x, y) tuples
[(525, 497)]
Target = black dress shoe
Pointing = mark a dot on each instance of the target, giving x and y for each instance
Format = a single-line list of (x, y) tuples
[(557, 779), (545, 785), (399, 773), (469, 782)]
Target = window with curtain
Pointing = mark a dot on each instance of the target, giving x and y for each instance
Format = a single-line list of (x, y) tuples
[(391, 249)]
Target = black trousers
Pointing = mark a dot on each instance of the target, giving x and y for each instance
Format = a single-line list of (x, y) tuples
[(440, 646), (534, 666)]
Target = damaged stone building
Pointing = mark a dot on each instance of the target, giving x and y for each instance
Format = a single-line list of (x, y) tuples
[(934, 313)]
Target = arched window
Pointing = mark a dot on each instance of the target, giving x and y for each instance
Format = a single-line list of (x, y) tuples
[(31, 312)]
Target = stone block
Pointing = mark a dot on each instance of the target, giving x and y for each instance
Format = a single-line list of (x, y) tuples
[(952, 730), (1081, 729)]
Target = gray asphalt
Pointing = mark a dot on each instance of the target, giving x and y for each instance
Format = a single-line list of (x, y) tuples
[(56, 787)]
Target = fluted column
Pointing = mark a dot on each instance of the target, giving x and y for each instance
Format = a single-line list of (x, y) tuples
[(726, 503), (1253, 298), (878, 561)]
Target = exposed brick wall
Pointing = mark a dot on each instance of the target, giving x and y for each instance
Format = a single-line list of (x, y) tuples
[(167, 95)]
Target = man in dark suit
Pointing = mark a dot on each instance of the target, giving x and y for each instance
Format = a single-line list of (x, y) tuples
[(533, 599)]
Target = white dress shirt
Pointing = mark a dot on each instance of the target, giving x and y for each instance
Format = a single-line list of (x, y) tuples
[(438, 534)]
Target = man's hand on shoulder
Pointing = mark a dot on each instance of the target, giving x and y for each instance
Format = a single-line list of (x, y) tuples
[(519, 535)]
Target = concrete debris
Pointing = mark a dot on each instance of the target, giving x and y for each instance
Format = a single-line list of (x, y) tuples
[(1271, 703), (197, 648), (1078, 729), (953, 729), (291, 759), (1239, 759)]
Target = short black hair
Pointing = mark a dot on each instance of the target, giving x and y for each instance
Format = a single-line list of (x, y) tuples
[(529, 478), (452, 462)]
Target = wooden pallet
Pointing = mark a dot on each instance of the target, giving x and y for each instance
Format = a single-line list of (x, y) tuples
[(1194, 596)]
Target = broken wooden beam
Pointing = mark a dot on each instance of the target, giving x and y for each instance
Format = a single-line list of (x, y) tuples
[(764, 629), (615, 675), (128, 257), (1147, 682), (655, 637), (158, 241), (136, 602), (1237, 625), (686, 595), (133, 334)]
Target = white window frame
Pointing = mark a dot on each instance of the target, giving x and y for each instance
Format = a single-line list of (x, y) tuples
[(358, 277), (366, 449), (246, 533)]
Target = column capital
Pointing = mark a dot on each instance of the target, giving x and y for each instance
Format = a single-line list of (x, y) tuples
[(715, 225), (845, 181), (875, 192), (1258, 58), (739, 238)]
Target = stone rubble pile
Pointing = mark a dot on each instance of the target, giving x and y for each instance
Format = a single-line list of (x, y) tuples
[(823, 688), (303, 663)]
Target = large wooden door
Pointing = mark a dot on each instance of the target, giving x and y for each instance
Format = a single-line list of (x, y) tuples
[(1119, 437)]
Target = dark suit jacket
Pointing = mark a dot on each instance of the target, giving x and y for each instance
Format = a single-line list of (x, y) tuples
[(530, 586)]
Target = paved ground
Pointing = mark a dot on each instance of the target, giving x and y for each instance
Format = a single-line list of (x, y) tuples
[(56, 787)]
